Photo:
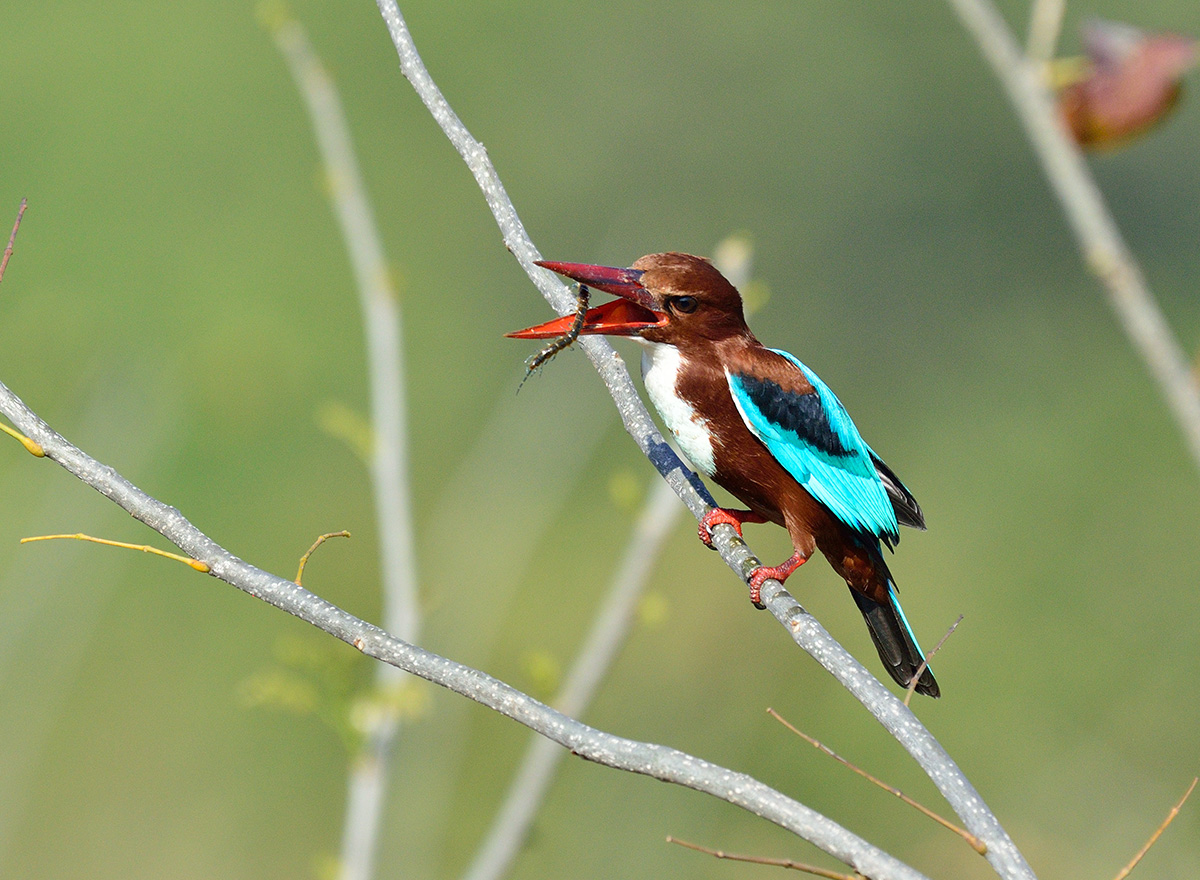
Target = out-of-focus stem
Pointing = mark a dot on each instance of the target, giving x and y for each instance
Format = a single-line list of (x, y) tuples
[(1045, 24), (388, 463), (511, 825)]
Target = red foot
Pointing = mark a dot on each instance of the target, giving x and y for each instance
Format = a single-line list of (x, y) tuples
[(735, 518), (777, 572)]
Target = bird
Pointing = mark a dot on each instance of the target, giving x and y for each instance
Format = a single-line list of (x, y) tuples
[(762, 425)]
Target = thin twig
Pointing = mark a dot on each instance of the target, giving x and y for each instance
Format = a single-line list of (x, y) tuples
[(657, 761), (1103, 249), (144, 548), (912, 685), (978, 845), (804, 629), (765, 860), (315, 544), (381, 317), (1158, 833), (12, 238)]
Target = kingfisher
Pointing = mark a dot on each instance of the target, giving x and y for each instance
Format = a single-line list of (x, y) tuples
[(761, 424)]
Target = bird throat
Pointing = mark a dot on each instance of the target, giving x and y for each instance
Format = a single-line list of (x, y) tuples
[(661, 365)]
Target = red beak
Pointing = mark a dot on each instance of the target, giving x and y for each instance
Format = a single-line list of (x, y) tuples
[(627, 316)]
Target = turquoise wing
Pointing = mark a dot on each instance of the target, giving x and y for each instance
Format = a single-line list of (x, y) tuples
[(812, 436)]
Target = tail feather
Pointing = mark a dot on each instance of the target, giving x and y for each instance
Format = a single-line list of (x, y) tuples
[(895, 642)]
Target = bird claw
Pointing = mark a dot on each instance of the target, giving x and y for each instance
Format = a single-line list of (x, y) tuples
[(764, 573), (712, 519), (718, 515), (756, 589)]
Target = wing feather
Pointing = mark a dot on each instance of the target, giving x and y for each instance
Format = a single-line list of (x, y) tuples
[(812, 436), (908, 511)]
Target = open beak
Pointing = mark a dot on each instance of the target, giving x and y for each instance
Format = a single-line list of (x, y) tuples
[(627, 316)]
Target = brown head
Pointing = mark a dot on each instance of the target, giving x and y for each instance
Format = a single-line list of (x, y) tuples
[(673, 298)]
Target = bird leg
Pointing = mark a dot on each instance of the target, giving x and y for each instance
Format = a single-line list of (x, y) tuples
[(777, 572), (735, 518)]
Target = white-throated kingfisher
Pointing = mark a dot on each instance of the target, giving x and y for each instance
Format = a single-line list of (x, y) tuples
[(763, 426)]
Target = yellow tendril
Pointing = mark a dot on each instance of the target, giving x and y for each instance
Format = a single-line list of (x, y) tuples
[(186, 560), (32, 446), (317, 543)]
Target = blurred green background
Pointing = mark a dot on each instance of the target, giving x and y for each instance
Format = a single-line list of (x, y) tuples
[(180, 305)]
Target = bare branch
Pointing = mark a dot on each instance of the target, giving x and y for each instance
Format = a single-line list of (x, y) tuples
[(765, 860), (1158, 832), (912, 685), (12, 238), (659, 762), (1104, 250), (311, 550), (805, 630), (975, 842), (145, 548)]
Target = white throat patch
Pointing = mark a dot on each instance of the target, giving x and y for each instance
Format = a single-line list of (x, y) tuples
[(660, 369)]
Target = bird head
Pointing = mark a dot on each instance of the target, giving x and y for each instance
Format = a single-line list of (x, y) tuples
[(677, 299)]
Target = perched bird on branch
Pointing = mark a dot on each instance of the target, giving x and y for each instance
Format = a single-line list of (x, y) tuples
[(765, 427)]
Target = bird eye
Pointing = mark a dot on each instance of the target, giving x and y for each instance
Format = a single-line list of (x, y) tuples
[(684, 304)]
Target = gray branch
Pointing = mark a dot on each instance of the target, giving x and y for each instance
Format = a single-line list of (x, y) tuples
[(648, 759), (1002, 853)]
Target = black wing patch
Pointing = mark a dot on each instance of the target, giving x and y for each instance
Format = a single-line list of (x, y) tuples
[(802, 414), (908, 512)]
